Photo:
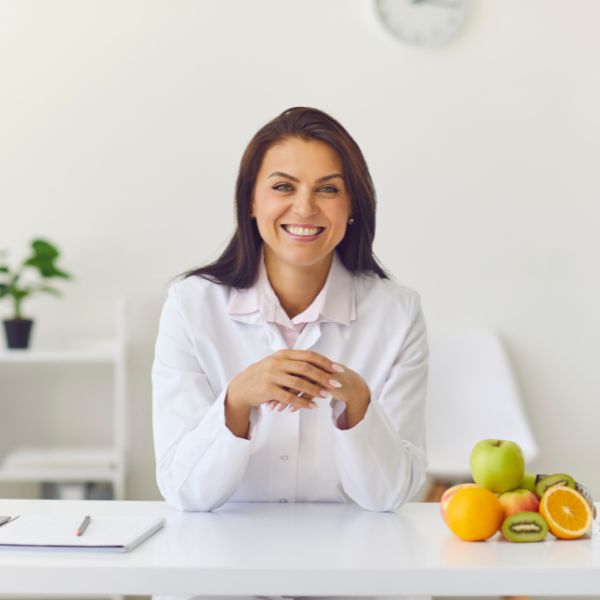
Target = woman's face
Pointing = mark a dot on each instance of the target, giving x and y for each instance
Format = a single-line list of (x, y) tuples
[(300, 202)]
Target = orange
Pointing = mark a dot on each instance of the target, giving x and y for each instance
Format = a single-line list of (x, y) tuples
[(567, 512), (474, 514)]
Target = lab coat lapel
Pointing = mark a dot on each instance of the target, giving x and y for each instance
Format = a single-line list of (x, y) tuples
[(309, 336), (270, 334), (273, 337)]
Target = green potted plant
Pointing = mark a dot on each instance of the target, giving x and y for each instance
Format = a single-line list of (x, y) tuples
[(42, 259)]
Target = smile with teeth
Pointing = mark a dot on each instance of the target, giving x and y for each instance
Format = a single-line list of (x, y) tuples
[(303, 231)]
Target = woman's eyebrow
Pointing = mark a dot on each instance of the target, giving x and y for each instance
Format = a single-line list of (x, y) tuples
[(321, 179)]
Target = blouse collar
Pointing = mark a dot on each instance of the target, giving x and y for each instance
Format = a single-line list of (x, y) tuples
[(335, 302)]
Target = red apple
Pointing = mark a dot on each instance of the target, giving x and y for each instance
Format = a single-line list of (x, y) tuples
[(517, 501), (449, 493)]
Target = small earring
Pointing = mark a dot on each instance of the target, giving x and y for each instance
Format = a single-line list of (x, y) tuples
[(351, 221)]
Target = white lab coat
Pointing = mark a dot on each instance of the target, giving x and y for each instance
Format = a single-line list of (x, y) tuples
[(291, 456)]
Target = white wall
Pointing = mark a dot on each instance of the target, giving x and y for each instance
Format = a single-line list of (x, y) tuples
[(122, 124)]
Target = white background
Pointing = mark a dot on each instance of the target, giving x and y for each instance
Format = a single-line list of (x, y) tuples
[(122, 124)]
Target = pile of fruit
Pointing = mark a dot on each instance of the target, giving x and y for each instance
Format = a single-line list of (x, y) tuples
[(523, 506)]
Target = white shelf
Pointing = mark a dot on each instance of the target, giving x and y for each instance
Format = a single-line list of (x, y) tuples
[(59, 474), (100, 351), (56, 464), (61, 456), (80, 464)]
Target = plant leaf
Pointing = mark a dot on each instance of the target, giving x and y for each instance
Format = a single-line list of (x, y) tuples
[(49, 290), (45, 248), (4, 269), (20, 293), (3, 290), (46, 267)]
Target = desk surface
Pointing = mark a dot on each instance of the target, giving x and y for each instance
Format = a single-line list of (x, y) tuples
[(297, 549)]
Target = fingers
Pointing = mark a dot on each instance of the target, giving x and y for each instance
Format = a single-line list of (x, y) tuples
[(280, 396), (315, 375), (296, 376), (314, 358), (274, 405), (300, 385), (280, 406)]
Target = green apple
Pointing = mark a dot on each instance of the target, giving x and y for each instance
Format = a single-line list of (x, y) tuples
[(497, 465), (529, 481)]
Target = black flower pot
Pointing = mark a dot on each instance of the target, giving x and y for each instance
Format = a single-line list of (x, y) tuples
[(17, 332)]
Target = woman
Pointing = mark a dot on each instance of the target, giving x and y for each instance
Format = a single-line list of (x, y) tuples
[(293, 368)]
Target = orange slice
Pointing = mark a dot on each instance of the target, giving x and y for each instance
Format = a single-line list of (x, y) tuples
[(567, 512)]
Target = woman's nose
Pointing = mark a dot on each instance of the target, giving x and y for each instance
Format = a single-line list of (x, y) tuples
[(305, 204)]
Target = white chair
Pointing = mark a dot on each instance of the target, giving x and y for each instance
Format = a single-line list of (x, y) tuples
[(472, 395)]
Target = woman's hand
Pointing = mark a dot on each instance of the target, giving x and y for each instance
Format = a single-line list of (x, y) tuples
[(289, 377), (353, 390), (346, 385)]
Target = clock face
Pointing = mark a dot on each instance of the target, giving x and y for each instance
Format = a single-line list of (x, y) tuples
[(423, 22)]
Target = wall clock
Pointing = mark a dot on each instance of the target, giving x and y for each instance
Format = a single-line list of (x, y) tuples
[(423, 22)]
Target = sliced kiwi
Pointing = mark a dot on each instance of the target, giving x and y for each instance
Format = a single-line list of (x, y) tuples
[(551, 480), (578, 487), (525, 527)]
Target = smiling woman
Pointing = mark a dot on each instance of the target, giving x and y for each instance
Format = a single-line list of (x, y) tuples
[(300, 218), (293, 369), (296, 315), (285, 138)]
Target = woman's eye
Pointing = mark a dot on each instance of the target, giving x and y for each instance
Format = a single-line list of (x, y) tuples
[(282, 187), (286, 187)]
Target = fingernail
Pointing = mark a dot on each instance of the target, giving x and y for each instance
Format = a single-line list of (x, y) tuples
[(337, 368), (325, 393), (271, 407), (313, 405), (282, 407), (334, 383)]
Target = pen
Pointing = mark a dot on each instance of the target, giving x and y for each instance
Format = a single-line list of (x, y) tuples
[(84, 525)]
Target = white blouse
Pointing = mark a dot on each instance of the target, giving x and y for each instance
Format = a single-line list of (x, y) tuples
[(298, 456)]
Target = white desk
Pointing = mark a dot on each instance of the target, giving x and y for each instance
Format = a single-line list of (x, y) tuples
[(297, 549)]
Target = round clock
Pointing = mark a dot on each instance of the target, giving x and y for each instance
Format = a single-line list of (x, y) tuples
[(423, 22)]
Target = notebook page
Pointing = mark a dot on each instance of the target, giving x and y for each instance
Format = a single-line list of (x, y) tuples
[(39, 530)]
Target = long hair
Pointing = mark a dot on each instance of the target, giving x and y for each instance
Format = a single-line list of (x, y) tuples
[(238, 264)]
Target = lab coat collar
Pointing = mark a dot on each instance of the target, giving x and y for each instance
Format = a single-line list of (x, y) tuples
[(257, 304)]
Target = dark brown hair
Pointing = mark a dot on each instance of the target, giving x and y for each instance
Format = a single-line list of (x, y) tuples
[(238, 264)]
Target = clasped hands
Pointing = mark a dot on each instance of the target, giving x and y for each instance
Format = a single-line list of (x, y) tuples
[(292, 378)]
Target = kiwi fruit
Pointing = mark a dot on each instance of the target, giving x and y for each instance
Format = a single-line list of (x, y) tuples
[(551, 480), (579, 487), (525, 527)]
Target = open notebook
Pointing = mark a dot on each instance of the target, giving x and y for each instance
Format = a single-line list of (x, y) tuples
[(119, 533)]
